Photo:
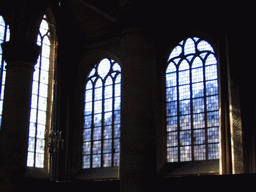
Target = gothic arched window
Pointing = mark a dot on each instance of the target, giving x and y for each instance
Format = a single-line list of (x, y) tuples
[(4, 37), (101, 130), (41, 99), (192, 102)]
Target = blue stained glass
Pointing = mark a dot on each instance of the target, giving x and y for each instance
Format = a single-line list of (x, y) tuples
[(184, 77), (87, 148), (106, 81), (96, 147), (117, 103), (96, 161), (213, 119), (87, 134), (211, 60), (97, 120), (107, 159), (213, 135), (213, 151), (172, 139), (108, 104), (197, 90), (98, 106), (197, 75), (2, 23), (117, 90), (184, 92), (199, 120), (117, 117), (185, 153), (185, 122), (116, 159), (116, 145), (171, 80), (184, 107), (116, 67), (39, 145), (184, 65), (196, 57), (108, 91), (199, 152), (118, 79), (211, 87), (171, 68), (172, 109), (92, 72), (107, 146), (97, 133), (171, 94), (98, 83), (172, 124), (212, 103), (204, 46), (98, 94), (86, 161), (176, 52), (103, 68), (199, 136), (108, 118), (109, 81), (107, 132), (210, 72), (189, 47), (117, 131), (172, 154), (43, 27), (198, 105)]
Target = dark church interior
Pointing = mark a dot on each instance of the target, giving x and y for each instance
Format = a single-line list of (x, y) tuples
[(127, 95)]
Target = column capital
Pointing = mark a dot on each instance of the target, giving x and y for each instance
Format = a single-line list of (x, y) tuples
[(20, 50)]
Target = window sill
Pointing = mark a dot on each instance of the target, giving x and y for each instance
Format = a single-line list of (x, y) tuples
[(107, 173), (190, 168)]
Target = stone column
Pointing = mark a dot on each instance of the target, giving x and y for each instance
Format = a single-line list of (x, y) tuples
[(21, 57), (138, 142)]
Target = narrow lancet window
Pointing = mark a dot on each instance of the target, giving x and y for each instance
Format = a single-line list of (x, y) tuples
[(41, 99)]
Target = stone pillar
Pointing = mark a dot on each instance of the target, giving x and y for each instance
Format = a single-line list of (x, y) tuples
[(138, 142), (21, 57)]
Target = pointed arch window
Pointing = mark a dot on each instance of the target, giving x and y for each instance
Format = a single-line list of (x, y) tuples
[(41, 99), (4, 37), (192, 102), (101, 130)]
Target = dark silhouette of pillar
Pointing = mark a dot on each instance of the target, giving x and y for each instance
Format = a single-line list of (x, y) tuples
[(138, 142), (21, 57)]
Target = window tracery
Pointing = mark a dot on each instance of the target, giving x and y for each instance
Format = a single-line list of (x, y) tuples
[(192, 102), (101, 131)]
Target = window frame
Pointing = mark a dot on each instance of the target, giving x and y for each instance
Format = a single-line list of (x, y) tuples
[(87, 62), (94, 79), (45, 170), (195, 167)]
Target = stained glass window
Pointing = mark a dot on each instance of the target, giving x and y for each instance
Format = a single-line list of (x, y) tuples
[(40, 99), (192, 102), (4, 37), (101, 130)]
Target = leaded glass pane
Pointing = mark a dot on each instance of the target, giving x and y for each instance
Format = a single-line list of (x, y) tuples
[(189, 47), (102, 115), (192, 102)]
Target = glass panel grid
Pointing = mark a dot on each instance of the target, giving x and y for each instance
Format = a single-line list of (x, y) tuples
[(192, 119), (102, 116), (38, 113)]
